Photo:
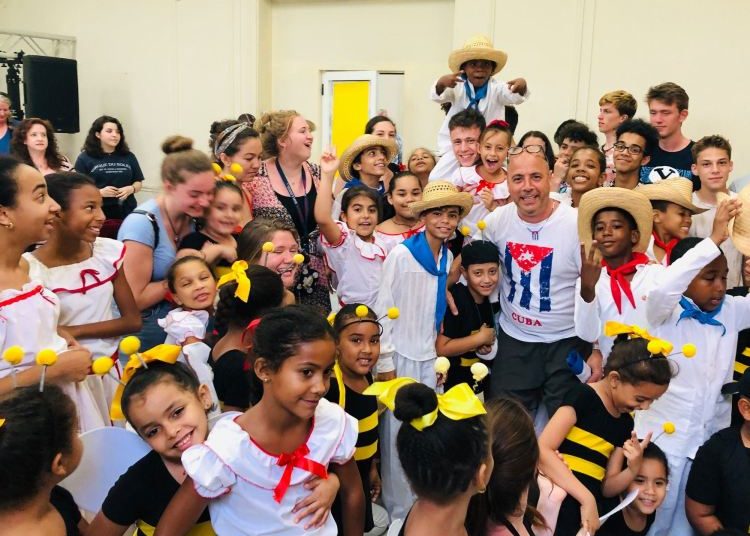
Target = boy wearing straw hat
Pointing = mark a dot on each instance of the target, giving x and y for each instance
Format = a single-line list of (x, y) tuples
[(414, 279), (688, 304), (673, 211), (470, 85)]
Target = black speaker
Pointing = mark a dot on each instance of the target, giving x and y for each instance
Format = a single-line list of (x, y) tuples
[(51, 91)]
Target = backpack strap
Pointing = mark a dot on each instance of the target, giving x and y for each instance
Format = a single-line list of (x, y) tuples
[(154, 224)]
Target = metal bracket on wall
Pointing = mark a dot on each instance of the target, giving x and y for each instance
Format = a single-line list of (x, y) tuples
[(58, 46)]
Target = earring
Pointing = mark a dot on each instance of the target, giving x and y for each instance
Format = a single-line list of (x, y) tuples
[(481, 491), (265, 380), (10, 226)]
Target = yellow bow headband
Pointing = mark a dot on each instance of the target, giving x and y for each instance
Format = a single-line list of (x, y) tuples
[(239, 275), (458, 403), (166, 353), (656, 346)]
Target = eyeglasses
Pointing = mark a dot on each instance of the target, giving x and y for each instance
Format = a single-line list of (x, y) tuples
[(620, 147), (531, 149)]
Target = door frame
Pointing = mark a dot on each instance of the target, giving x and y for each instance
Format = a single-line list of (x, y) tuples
[(328, 77)]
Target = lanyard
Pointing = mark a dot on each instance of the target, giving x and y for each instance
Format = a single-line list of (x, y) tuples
[(302, 214)]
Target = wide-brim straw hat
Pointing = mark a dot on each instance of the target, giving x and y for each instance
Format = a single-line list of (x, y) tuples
[(677, 190), (739, 226), (442, 194), (360, 144), (478, 47), (631, 201)]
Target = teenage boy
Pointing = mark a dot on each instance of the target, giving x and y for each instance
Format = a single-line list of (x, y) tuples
[(636, 142), (470, 85), (689, 305), (673, 213), (712, 164), (464, 128), (470, 335), (718, 488), (573, 136), (615, 108), (537, 238), (668, 109), (414, 279)]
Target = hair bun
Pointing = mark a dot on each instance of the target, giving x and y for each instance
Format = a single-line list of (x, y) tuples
[(413, 401), (264, 121), (247, 118), (176, 144)]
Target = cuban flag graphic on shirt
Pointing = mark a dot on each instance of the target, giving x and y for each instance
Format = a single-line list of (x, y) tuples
[(527, 257)]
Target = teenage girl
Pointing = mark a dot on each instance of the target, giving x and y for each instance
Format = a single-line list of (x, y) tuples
[(237, 142), (358, 348), (84, 270), (352, 250), (28, 311), (404, 189), (229, 357), (593, 430), (39, 447), (252, 468)]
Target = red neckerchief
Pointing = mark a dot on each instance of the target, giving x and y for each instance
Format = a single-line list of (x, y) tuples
[(485, 184), (289, 462), (618, 281), (668, 247)]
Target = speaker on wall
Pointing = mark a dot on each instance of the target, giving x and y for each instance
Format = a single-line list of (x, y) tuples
[(51, 91)]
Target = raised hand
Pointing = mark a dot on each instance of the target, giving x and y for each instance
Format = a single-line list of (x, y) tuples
[(591, 270)]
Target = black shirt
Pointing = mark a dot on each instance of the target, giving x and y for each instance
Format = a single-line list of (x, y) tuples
[(116, 170), (663, 165), (616, 526), (231, 380), (64, 503), (142, 494), (720, 477), (196, 241)]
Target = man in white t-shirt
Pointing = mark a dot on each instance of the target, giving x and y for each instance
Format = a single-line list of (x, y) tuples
[(540, 257)]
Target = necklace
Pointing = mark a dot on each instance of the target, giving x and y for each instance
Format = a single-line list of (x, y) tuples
[(409, 225), (535, 232), (171, 224)]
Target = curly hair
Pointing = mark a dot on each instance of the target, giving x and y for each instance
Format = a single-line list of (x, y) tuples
[(18, 143), (93, 145), (215, 136), (274, 127)]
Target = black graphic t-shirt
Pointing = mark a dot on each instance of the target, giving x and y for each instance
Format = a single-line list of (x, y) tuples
[(666, 165), (116, 170)]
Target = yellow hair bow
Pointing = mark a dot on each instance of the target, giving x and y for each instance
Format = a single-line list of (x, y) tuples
[(243, 282), (458, 403), (166, 353), (655, 345)]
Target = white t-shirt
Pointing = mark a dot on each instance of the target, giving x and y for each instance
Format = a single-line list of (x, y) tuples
[(541, 263)]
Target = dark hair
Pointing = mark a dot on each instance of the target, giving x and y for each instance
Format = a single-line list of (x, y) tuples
[(266, 292), (93, 145), (282, 330), (361, 190), (516, 453), (218, 127), (370, 126), (511, 117), (653, 452), (8, 182), (38, 427), (59, 186), (467, 119), (629, 219), (642, 129), (685, 245), (227, 185), (600, 158), (399, 175), (706, 142), (358, 159), (172, 272), (557, 136), (157, 372), (19, 149), (347, 313), (660, 204), (549, 153), (255, 233), (728, 532), (634, 363), (669, 93), (578, 132), (441, 460), (495, 128)]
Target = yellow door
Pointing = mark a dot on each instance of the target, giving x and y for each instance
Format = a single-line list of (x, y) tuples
[(350, 111)]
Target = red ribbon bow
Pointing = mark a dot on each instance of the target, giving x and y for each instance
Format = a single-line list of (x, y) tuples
[(498, 123), (668, 247), (412, 232), (289, 462), (484, 184), (250, 329), (617, 279)]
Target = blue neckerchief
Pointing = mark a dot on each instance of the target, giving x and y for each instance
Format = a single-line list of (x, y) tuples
[(420, 250), (691, 311), (479, 93), (355, 181)]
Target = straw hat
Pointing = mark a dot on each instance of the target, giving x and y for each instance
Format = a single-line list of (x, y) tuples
[(358, 146), (631, 201), (676, 190), (739, 226), (478, 47), (442, 194)]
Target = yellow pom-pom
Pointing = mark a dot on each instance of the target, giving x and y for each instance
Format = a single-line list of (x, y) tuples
[(267, 247), (689, 350), (13, 355), (465, 230), (668, 427), (236, 169), (298, 258), (481, 225), (130, 345), (2, 422), (46, 357), (442, 365), (654, 347), (479, 371), (229, 177), (361, 311), (331, 318), (216, 167), (393, 313), (102, 365)]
